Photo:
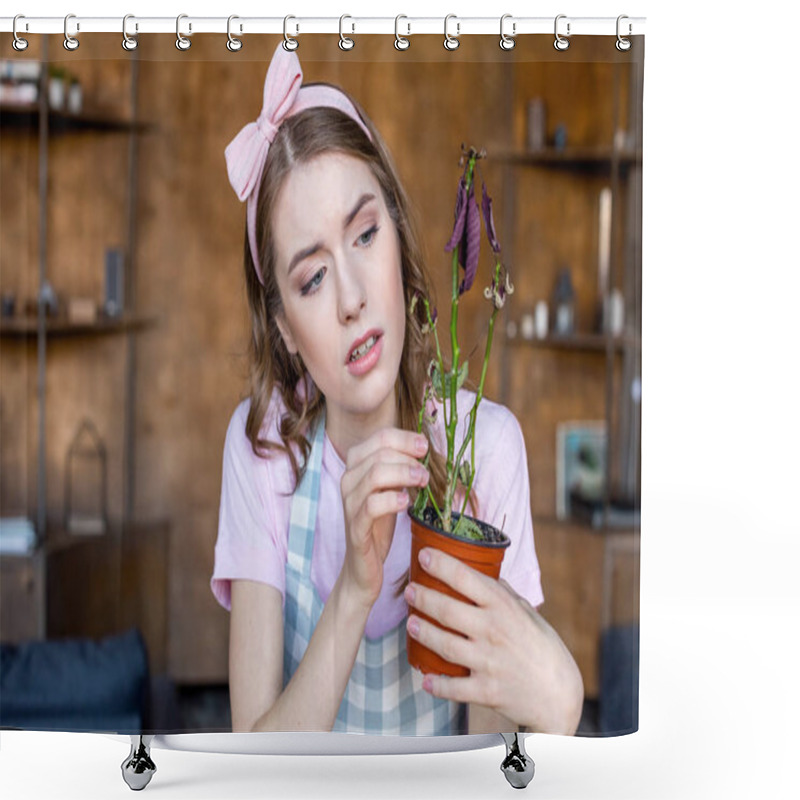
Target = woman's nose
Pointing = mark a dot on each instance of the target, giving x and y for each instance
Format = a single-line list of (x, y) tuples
[(352, 292)]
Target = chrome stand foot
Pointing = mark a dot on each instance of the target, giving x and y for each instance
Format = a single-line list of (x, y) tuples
[(138, 768), (518, 766)]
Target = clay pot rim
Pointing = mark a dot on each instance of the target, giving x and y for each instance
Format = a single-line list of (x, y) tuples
[(505, 542)]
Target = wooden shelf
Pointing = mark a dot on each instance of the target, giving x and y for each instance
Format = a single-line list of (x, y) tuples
[(580, 342), (584, 159), (26, 327), (26, 115), (579, 526)]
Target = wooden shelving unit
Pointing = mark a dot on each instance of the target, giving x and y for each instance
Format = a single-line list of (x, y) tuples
[(72, 584), (618, 168)]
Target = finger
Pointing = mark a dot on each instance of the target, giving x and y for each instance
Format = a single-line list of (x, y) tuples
[(377, 505), (451, 647), (459, 690), (470, 583), (464, 618), (383, 475), (357, 470), (410, 443)]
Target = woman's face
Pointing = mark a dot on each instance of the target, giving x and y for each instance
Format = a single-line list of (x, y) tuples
[(339, 273)]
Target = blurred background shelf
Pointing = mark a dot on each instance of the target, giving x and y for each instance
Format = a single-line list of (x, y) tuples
[(583, 342), (589, 159), (27, 327), (25, 116)]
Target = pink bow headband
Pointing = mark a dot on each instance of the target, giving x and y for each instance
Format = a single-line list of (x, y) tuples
[(283, 97)]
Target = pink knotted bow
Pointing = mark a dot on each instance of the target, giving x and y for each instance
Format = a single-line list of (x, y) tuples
[(284, 96)]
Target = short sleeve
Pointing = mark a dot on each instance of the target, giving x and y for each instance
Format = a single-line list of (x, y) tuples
[(248, 546), (508, 508)]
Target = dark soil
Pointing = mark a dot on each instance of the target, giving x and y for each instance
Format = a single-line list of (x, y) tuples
[(490, 534)]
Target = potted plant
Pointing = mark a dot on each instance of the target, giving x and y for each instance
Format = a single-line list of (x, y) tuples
[(435, 522)]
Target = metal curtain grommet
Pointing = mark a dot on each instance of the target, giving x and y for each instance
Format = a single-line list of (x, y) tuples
[(507, 42), (289, 42), (182, 43), (128, 42), (233, 44), (18, 44), (70, 42), (400, 42), (623, 44), (451, 42), (561, 43), (345, 42)]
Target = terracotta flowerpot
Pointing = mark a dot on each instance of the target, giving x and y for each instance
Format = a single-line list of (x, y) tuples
[(484, 556)]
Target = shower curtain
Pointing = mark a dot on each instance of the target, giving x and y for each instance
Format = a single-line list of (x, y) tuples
[(125, 312)]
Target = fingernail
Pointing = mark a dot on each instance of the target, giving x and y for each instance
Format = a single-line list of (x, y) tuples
[(422, 444), (413, 626), (419, 473), (425, 557), (402, 499), (427, 683), (410, 594)]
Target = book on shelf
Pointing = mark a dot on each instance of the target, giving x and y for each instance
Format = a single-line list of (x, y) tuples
[(17, 536), (620, 514), (19, 81)]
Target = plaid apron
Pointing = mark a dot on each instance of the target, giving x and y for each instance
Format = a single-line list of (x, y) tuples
[(384, 694)]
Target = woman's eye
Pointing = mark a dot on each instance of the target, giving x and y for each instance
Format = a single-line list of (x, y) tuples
[(312, 285), (366, 238)]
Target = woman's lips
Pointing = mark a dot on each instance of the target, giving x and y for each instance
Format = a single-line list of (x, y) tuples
[(376, 332), (364, 364)]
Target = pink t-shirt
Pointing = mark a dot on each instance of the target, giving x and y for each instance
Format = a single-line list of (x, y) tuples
[(255, 506)]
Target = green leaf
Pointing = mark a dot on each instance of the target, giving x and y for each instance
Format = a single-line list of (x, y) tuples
[(442, 389), (465, 472), (468, 529)]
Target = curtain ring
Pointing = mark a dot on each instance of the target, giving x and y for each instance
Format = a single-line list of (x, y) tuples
[(182, 43), (128, 42), (451, 42), (561, 43), (507, 42), (70, 42), (400, 42), (345, 42), (18, 44), (289, 42), (623, 44), (233, 44)]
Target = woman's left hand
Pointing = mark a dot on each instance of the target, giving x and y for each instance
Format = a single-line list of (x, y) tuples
[(518, 665)]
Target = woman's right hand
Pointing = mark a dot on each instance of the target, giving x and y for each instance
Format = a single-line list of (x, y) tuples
[(376, 473)]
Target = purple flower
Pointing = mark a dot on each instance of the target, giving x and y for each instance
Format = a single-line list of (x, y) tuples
[(488, 219), (466, 234)]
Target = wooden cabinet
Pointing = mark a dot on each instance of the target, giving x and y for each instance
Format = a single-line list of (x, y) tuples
[(22, 597)]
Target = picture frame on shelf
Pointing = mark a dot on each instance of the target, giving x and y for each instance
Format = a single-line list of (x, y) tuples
[(580, 463)]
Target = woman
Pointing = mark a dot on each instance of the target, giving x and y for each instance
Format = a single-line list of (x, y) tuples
[(311, 551)]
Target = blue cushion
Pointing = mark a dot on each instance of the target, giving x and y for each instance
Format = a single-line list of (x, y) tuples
[(619, 681), (74, 684)]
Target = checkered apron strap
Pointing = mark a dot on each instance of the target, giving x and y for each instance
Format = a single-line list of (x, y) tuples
[(304, 506), (384, 694)]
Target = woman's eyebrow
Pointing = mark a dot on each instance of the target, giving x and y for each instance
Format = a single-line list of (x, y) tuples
[(309, 251)]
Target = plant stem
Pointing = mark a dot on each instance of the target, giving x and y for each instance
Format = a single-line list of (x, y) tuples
[(452, 422), (470, 437), (438, 350)]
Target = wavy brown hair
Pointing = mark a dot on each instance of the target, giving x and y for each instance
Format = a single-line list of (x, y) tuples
[(299, 139)]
